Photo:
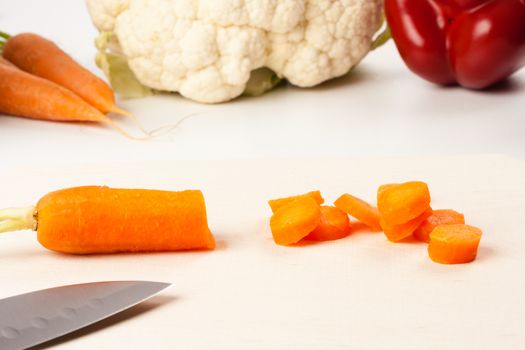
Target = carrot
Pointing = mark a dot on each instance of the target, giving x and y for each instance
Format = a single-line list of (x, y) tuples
[(92, 219), (401, 203), (294, 221), (438, 217), (334, 224), (29, 96), (276, 204), (41, 57), (359, 209), (385, 187), (454, 244), (396, 233), (6, 63)]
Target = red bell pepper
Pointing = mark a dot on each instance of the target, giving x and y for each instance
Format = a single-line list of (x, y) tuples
[(473, 43)]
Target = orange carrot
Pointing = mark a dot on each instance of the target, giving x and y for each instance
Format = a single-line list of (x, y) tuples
[(92, 219), (438, 217), (396, 233), (385, 187), (41, 57), (400, 203), (276, 204), (26, 95), (454, 244), (5, 62), (359, 209), (334, 224), (294, 221)]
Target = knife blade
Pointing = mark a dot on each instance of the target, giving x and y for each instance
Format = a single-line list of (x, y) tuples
[(33, 318)]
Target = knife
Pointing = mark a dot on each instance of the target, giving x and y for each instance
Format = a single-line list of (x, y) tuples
[(33, 318)]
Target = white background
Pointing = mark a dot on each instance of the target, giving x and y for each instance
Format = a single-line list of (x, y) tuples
[(381, 109), (361, 292)]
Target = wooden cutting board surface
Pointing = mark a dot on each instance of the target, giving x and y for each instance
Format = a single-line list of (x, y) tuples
[(361, 292)]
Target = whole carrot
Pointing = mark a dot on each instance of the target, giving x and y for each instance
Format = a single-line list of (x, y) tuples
[(92, 219), (39, 56), (26, 95)]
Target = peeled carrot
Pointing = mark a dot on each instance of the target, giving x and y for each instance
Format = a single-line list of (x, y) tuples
[(438, 217), (294, 221), (454, 244), (276, 204), (92, 219), (401, 203), (41, 57), (385, 187), (26, 95), (396, 233), (334, 224), (359, 209)]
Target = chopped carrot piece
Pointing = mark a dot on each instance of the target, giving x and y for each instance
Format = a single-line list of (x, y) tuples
[(334, 224), (401, 203), (396, 233), (294, 221), (438, 217), (359, 209), (385, 187), (276, 204), (454, 244)]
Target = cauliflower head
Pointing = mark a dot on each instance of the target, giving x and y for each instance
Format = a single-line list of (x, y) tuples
[(207, 49)]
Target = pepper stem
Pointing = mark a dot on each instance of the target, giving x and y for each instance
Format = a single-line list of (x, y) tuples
[(382, 38), (14, 219)]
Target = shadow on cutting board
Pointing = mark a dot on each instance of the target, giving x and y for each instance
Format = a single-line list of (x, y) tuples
[(135, 311), (485, 252)]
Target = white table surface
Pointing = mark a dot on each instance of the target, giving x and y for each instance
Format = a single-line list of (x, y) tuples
[(382, 109), (361, 292)]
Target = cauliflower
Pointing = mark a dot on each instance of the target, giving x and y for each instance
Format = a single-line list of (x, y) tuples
[(207, 49)]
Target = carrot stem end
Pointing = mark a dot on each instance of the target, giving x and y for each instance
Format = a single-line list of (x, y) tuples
[(15, 219), (3, 38)]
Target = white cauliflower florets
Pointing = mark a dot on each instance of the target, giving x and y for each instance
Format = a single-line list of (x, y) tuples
[(207, 49)]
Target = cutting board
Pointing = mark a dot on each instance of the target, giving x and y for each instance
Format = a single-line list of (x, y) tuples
[(361, 292)]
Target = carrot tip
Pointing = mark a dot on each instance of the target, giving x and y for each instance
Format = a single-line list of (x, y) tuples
[(166, 129), (137, 122), (124, 133), (120, 111)]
